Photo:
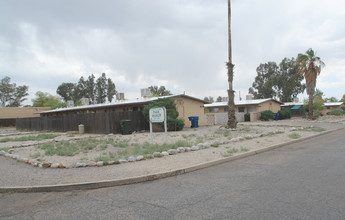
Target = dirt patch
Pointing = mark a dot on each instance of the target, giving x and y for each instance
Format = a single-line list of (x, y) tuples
[(199, 145)]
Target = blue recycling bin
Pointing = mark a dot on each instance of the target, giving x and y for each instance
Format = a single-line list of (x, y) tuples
[(194, 120), (276, 116)]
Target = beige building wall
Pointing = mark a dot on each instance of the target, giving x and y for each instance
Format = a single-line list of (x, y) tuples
[(268, 105), (21, 112), (190, 107)]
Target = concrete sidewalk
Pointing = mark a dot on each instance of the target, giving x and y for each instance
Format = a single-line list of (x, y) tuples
[(19, 177)]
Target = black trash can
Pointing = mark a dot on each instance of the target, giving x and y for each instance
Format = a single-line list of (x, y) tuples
[(126, 126)]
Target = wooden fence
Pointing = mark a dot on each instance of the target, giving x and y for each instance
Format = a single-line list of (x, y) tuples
[(101, 123)]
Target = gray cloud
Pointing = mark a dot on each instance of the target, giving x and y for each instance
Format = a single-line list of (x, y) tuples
[(176, 43)]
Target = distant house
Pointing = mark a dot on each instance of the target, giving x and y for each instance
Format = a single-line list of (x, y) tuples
[(186, 106), (296, 108), (8, 115), (332, 105), (246, 106)]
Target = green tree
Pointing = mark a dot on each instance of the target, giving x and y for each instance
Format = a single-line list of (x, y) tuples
[(331, 99), (44, 99), (10, 94), (67, 91), (209, 99), (159, 91), (90, 88), (265, 81), (343, 98), (288, 83), (219, 99), (111, 90), (281, 81), (101, 89), (310, 66)]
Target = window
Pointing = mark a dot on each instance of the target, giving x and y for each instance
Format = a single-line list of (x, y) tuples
[(213, 110), (241, 109)]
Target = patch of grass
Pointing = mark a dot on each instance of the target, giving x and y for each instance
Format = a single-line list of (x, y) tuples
[(215, 144), (35, 155), (230, 152), (5, 149), (246, 128), (105, 159), (294, 136), (103, 146), (244, 149), (314, 129), (29, 138)]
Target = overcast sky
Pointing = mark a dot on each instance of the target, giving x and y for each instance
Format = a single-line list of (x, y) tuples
[(181, 44)]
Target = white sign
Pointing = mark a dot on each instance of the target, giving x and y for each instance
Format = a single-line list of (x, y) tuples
[(157, 115)]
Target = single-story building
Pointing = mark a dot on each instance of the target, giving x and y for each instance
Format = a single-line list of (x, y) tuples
[(331, 106), (296, 108), (8, 115), (186, 106), (246, 106)]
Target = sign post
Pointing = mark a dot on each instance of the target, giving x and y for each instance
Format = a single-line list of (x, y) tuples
[(158, 115)]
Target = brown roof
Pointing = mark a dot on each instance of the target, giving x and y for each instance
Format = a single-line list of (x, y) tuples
[(21, 112)]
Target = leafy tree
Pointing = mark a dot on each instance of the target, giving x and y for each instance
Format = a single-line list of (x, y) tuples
[(67, 91), (310, 66), (288, 83), (96, 90), (331, 99), (91, 88), (159, 91), (169, 103), (343, 98), (281, 81), (10, 94), (265, 81), (209, 99), (44, 99), (101, 89), (219, 99), (111, 90)]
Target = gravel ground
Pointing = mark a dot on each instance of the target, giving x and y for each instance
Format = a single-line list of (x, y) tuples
[(15, 173)]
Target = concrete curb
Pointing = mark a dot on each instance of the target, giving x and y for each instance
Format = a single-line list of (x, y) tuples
[(140, 179)]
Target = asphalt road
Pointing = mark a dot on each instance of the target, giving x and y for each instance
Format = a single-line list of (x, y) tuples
[(300, 181)]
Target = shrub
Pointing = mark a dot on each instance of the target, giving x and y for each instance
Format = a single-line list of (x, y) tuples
[(336, 112), (284, 114), (247, 117), (175, 124), (267, 115), (343, 108)]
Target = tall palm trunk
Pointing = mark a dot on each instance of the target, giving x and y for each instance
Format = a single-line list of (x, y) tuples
[(311, 107), (230, 67)]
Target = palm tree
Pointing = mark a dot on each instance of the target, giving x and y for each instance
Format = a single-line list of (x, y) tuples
[(230, 67), (310, 66)]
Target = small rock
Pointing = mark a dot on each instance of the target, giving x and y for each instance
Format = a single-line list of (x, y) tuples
[(2, 152), (149, 156), (91, 164), (111, 162), (10, 151), (181, 150), (40, 165), (195, 148), (46, 164), (164, 153), (172, 151), (140, 157), (187, 149), (99, 163), (157, 154), (201, 146), (55, 165), (79, 164), (132, 159), (123, 161), (61, 165), (207, 145)]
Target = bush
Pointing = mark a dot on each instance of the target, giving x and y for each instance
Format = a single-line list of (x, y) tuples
[(284, 114), (175, 124), (343, 108), (267, 115), (336, 112), (247, 117)]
